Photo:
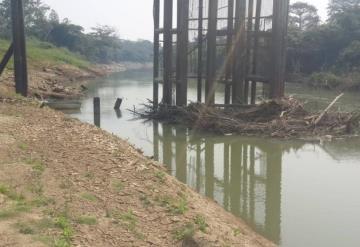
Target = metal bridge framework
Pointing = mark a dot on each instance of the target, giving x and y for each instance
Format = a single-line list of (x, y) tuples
[(234, 43)]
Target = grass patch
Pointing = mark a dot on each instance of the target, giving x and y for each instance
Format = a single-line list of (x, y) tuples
[(185, 233), (42, 201), (23, 146), (7, 214), (145, 200), (25, 228), (42, 53), (174, 206), (89, 175), (64, 224), (89, 197), (14, 210), (118, 186), (36, 165), (237, 232), (86, 220), (161, 176), (11, 194), (129, 219), (201, 223)]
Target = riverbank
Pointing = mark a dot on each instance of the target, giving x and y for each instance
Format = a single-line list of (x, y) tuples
[(63, 81), (63, 182)]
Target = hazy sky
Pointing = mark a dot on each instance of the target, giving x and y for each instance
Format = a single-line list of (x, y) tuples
[(131, 18)]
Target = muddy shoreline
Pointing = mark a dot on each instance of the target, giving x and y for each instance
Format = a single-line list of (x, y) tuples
[(90, 188), (65, 81)]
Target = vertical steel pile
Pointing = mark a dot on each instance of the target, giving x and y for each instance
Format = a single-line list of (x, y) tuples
[(17, 49)]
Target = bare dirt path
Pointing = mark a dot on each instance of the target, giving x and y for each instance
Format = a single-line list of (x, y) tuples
[(65, 183)]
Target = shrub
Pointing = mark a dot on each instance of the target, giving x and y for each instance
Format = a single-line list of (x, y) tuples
[(325, 80)]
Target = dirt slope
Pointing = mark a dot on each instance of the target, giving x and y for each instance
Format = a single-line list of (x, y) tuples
[(65, 183)]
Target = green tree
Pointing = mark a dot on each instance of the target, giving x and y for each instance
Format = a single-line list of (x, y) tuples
[(303, 16), (339, 6)]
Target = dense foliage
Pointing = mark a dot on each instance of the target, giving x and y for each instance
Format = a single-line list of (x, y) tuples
[(102, 45), (332, 47)]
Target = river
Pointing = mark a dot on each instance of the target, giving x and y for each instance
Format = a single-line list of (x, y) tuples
[(291, 192)]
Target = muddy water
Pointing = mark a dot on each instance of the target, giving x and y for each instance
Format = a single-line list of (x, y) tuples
[(293, 193)]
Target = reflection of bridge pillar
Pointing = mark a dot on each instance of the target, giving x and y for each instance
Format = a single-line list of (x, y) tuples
[(156, 140), (198, 166), (245, 182), (252, 184), (235, 177), (273, 195), (167, 147), (209, 169), (226, 175), (181, 156)]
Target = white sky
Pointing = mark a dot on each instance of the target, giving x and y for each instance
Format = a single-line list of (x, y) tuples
[(131, 18)]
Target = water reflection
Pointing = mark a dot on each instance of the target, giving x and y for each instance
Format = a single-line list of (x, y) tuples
[(242, 175), (294, 194)]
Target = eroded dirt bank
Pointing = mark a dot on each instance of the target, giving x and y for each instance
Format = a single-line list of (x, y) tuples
[(66, 183), (64, 81)]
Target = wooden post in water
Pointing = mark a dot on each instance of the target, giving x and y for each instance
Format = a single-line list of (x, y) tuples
[(156, 53), (280, 23), (168, 50), (200, 51), (118, 104), (182, 52), (97, 113), (211, 53), (18, 31)]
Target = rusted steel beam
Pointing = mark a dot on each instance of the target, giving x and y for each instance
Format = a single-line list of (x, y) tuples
[(240, 53), (182, 52), (229, 50), (156, 53), (278, 51), (200, 51), (211, 53), (168, 52), (6, 58), (20, 64)]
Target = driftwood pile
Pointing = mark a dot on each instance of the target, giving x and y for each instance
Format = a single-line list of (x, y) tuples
[(283, 118)]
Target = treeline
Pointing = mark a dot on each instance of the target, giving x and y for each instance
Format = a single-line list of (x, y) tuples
[(327, 54), (101, 45)]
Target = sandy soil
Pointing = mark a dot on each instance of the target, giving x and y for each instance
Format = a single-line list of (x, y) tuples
[(66, 183)]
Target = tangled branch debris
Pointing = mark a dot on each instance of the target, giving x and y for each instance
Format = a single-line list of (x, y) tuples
[(285, 118)]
